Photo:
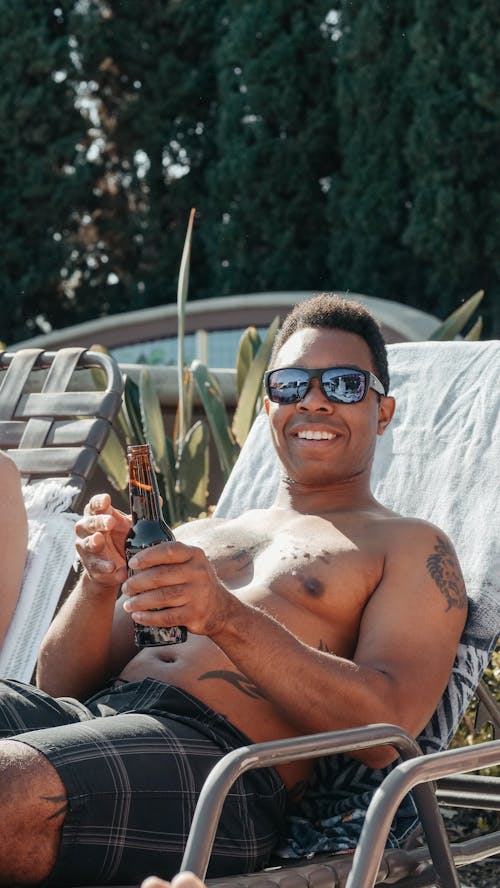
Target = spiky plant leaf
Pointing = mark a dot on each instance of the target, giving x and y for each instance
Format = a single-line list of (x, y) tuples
[(171, 504), (188, 395), (455, 323), (113, 462), (213, 404), (132, 401), (154, 432), (182, 292), (474, 334), (250, 398), (248, 347), (121, 421), (193, 470), (151, 415)]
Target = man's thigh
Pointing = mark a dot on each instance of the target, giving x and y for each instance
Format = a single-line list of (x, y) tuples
[(26, 708), (132, 781)]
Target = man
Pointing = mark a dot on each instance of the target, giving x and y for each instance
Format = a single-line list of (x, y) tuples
[(324, 612)]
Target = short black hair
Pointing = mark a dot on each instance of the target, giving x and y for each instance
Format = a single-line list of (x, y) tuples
[(331, 311)]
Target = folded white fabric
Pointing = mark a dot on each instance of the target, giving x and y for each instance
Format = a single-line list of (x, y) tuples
[(51, 552)]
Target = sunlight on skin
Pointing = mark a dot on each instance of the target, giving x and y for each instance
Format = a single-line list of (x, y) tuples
[(182, 880)]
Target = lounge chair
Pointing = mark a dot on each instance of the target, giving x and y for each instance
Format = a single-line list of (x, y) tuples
[(56, 411), (440, 460)]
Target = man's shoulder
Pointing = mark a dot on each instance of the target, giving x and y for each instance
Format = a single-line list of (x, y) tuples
[(412, 541), (408, 532)]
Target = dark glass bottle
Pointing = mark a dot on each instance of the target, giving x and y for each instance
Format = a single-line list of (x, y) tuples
[(148, 529)]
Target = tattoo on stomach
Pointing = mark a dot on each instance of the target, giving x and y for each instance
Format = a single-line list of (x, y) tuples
[(237, 680)]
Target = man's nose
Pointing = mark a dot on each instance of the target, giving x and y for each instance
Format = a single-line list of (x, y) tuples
[(314, 399)]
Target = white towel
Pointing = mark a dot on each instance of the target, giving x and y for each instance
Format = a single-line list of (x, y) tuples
[(51, 552)]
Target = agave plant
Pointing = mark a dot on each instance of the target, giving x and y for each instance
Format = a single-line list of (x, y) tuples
[(182, 461), (455, 323)]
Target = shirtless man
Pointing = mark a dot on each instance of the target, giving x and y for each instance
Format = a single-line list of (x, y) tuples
[(326, 596)]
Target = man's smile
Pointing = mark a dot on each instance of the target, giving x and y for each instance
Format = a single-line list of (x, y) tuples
[(309, 435)]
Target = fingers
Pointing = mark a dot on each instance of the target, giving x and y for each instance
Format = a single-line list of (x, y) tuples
[(100, 540), (92, 523), (98, 503), (167, 575), (155, 882), (166, 553), (147, 606), (100, 515), (182, 880), (187, 880), (200, 606)]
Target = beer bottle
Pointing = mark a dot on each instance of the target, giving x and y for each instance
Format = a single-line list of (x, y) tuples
[(148, 529)]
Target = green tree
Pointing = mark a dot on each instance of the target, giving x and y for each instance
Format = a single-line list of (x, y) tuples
[(371, 193), (276, 143), (453, 150), (151, 66), (324, 145), (43, 171)]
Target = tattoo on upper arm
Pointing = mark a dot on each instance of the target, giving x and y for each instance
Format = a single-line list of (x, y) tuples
[(238, 680), (445, 571)]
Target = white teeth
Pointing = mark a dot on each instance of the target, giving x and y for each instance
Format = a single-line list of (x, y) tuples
[(316, 436)]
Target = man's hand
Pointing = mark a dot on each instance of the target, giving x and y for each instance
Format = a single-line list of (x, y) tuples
[(175, 585), (182, 880), (84, 646), (101, 541)]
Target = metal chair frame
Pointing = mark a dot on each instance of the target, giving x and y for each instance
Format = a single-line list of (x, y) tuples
[(54, 420)]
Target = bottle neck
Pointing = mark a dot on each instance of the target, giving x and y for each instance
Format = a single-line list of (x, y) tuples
[(143, 489)]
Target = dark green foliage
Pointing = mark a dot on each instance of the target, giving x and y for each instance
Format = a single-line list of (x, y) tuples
[(42, 174), (413, 212), (153, 69), (453, 151), (371, 194), (276, 141), (325, 145)]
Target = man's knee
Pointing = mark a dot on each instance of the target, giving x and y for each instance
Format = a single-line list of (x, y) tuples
[(33, 804)]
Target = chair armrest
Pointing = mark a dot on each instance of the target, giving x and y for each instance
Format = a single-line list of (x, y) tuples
[(258, 755)]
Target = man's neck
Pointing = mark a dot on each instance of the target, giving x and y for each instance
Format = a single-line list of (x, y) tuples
[(348, 494)]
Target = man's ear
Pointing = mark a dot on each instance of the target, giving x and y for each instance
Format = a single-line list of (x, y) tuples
[(266, 404), (386, 410)]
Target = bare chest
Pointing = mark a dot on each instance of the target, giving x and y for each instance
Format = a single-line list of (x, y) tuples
[(305, 573)]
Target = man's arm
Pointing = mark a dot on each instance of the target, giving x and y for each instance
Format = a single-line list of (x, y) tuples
[(406, 645), (90, 639), (14, 531)]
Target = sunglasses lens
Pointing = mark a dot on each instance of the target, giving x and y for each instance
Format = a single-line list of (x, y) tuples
[(346, 386), (287, 386)]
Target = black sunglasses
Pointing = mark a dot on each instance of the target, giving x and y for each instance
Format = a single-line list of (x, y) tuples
[(344, 385)]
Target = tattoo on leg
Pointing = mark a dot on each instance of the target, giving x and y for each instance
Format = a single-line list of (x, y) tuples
[(239, 681), (445, 571), (62, 801)]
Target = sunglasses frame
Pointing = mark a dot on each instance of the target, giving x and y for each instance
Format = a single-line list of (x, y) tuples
[(371, 382)]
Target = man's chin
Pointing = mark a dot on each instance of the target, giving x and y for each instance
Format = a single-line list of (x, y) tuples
[(312, 480)]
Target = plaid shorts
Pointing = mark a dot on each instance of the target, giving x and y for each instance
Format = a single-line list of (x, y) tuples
[(133, 760)]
